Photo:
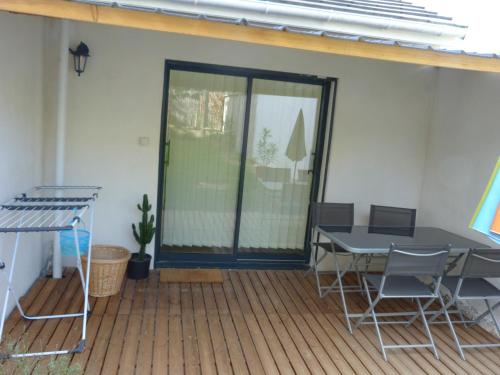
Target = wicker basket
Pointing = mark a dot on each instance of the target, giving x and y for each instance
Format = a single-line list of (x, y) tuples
[(107, 269)]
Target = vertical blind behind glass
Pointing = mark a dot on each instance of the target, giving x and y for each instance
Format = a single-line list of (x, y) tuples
[(204, 136), (276, 192)]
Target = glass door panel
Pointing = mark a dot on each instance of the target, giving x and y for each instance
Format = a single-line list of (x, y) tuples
[(279, 160), (202, 161)]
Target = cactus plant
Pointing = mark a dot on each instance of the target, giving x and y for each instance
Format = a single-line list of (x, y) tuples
[(146, 231)]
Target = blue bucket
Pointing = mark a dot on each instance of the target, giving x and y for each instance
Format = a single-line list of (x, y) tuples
[(67, 242)]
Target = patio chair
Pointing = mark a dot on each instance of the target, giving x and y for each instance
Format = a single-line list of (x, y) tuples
[(341, 216), (471, 285), (390, 220), (392, 216), (405, 264)]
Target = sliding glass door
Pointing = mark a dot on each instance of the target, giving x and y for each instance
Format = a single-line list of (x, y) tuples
[(202, 161), (278, 167), (238, 165)]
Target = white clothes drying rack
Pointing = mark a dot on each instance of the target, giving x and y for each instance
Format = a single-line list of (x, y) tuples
[(48, 209)]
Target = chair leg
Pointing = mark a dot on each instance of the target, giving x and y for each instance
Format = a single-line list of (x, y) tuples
[(426, 325), (371, 306), (415, 317), (450, 324), (314, 257), (316, 273), (492, 314), (462, 318), (341, 289), (318, 277), (358, 275), (368, 262), (311, 266), (371, 310), (489, 311), (314, 268), (442, 310), (453, 264), (323, 290)]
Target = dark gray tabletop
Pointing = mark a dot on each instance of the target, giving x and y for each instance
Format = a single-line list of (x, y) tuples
[(370, 240)]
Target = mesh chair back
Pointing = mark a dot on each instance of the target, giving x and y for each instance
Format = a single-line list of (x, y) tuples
[(482, 263), (334, 214), (392, 216), (407, 260)]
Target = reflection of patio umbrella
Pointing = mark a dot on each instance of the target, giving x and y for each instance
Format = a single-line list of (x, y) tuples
[(296, 149)]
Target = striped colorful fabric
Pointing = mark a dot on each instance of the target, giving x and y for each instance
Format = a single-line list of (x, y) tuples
[(486, 217), (495, 227)]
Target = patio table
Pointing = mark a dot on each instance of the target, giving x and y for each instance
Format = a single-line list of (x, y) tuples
[(363, 240)]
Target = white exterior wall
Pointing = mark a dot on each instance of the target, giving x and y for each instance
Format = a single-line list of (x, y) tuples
[(463, 147), (20, 134), (380, 126)]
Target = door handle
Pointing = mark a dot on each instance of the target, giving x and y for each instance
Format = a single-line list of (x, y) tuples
[(166, 162), (167, 153)]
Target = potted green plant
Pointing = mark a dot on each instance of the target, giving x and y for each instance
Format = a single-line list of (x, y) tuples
[(138, 265)]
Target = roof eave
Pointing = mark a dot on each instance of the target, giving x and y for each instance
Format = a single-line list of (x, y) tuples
[(203, 28)]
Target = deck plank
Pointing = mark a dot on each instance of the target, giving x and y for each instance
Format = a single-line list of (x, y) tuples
[(128, 358), (221, 351), (64, 325), (32, 335), (49, 337), (401, 365), (145, 352), (25, 302), (160, 349), (18, 326), (445, 342), (122, 311), (104, 336), (262, 347), (93, 324), (205, 348), (286, 305), (323, 329), (255, 322), (443, 338), (248, 298), (190, 341), (238, 361), (304, 360), (358, 342), (242, 330)]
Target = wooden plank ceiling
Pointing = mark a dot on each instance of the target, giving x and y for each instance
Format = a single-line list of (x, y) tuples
[(203, 28)]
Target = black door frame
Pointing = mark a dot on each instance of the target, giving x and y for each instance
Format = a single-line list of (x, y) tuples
[(235, 260)]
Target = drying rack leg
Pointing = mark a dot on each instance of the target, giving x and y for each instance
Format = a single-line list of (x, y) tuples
[(87, 278), (78, 257), (9, 286)]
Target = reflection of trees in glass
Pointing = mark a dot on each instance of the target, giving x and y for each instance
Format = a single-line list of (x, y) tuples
[(215, 116), (266, 150), (197, 109)]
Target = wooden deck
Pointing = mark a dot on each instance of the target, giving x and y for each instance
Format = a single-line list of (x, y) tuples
[(256, 322)]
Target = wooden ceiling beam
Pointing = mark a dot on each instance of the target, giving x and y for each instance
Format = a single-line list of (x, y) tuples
[(159, 22)]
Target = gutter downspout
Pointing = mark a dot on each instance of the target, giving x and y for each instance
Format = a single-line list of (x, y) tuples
[(62, 89)]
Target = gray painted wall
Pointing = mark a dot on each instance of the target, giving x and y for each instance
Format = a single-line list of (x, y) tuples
[(20, 134), (463, 147)]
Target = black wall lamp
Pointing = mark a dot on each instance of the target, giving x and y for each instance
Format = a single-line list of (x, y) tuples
[(80, 56)]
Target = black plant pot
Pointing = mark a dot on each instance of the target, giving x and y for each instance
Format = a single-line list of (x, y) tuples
[(138, 269)]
